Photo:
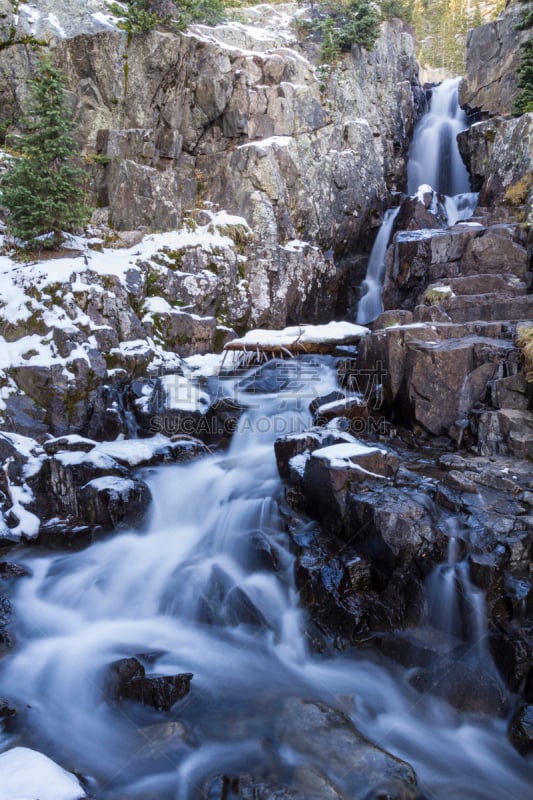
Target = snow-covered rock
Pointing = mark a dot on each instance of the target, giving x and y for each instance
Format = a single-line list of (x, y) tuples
[(300, 338), (29, 775)]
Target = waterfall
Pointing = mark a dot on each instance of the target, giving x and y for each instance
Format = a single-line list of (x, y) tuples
[(435, 161), (370, 305), (455, 606), (434, 157)]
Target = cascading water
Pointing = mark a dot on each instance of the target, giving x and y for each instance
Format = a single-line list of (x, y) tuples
[(208, 588), (434, 157), (455, 606), (370, 305), (434, 164)]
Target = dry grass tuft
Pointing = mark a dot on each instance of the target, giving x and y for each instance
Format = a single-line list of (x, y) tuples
[(524, 340)]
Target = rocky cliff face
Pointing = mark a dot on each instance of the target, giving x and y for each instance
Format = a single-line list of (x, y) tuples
[(499, 158), (492, 56), (497, 150), (240, 117)]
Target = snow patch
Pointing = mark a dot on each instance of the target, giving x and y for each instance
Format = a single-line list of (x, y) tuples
[(30, 775), (54, 22), (345, 452), (95, 458), (184, 395), (120, 487), (272, 141), (298, 463), (133, 451)]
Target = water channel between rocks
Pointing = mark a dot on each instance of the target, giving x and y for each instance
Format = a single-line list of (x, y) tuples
[(207, 588)]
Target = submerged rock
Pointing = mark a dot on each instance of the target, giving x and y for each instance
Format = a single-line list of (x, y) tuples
[(468, 687), (329, 740)]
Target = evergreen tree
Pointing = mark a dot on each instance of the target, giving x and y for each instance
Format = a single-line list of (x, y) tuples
[(330, 49), (140, 16), (137, 17), (524, 100), (43, 190)]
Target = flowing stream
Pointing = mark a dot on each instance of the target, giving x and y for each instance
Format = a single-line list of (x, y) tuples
[(207, 587), (434, 163)]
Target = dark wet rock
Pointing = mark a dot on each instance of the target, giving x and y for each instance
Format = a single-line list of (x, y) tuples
[(305, 784), (330, 741), (338, 593), (486, 570), (415, 215), (107, 418), (507, 431), (113, 502), (8, 569), (392, 527), (177, 405), (466, 686), (326, 399), (81, 489), (291, 445), (365, 572), (418, 258), (6, 637), (224, 603), (62, 476), (239, 609), (333, 472), (414, 647), (6, 711), (521, 730), (264, 556), (70, 444), (127, 680), (511, 647), (25, 416), (354, 409)]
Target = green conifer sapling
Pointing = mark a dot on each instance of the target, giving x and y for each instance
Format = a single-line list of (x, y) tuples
[(42, 193)]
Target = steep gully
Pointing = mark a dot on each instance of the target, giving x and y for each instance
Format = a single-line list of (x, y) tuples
[(207, 588)]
